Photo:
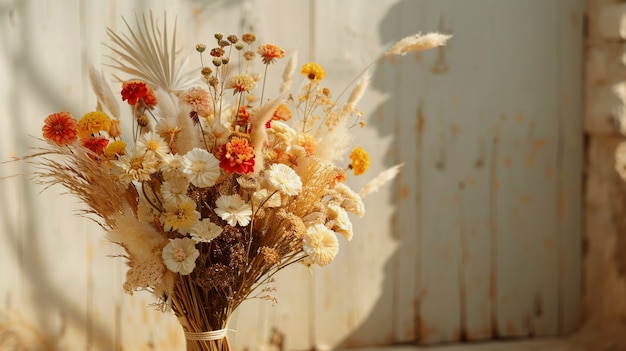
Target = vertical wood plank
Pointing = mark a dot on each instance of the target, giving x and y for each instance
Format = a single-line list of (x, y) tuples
[(354, 298), (570, 168)]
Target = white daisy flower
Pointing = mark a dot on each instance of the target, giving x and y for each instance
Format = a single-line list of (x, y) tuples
[(179, 255), (137, 165), (172, 166), (265, 198), (202, 167), (233, 210), (153, 142), (321, 244), (179, 215), (281, 177), (174, 189), (205, 231)]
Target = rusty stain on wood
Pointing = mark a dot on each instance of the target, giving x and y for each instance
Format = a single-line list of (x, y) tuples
[(440, 165), (455, 130), (537, 146), (480, 159), (462, 271), (493, 234), (403, 192), (425, 331), (510, 328)]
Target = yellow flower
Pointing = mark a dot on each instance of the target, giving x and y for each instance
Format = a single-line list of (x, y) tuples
[(179, 215), (116, 148), (313, 71), (360, 160), (93, 123)]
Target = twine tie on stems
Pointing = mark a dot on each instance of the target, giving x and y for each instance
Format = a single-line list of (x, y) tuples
[(206, 336)]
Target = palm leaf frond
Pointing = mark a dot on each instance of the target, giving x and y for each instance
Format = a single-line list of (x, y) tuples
[(150, 55)]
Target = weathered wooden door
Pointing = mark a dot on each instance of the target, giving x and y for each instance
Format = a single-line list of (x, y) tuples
[(479, 238)]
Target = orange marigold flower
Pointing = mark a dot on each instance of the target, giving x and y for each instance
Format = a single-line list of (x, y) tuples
[(282, 113), (237, 156), (313, 71), (360, 160), (60, 128), (93, 123), (135, 90), (270, 52), (95, 144)]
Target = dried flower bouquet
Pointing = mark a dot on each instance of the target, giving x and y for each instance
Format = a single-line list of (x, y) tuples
[(220, 188)]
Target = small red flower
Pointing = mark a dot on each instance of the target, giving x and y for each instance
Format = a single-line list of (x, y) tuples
[(60, 128), (95, 144), (237, 156), (135, 90)]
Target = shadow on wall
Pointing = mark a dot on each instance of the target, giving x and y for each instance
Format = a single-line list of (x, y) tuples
[(396, 113)]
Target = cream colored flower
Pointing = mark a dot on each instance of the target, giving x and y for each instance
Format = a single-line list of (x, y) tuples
[(281, 177), (153, 142), (137, 165), (215, 134), (173, 166), (174, 189), (321, 244), (349, 200), (168, 129), (180, 255), (339, 221), (241, 83), (205, 231), (202, 167), (233, 210), (179, 215), (198, 100), (265, 198)]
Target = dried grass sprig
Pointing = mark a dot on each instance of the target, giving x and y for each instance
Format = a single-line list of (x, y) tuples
[(77, 172), (383, 178), (417, 42)]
